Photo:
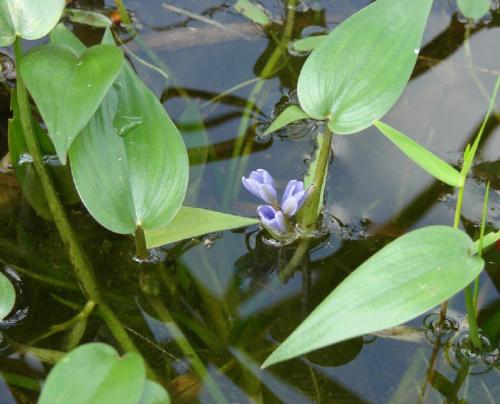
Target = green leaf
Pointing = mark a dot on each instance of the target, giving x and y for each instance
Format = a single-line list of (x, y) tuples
[(194, 222), (406, 278), (488, 240), (87, 17), (153, 393), (308, 44), (25, 172), (474, 9), (421, 156), (129, 164), (359, 71), (254, 12), (95, 373), (29, 19), (7, 296), (290, 114), (68, 88)]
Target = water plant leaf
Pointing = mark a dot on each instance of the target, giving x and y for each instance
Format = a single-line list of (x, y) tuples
[(406, 278), (129, 164), (29, 19), (359, 71), (254, 12), (87, 17), (194, 222), (25, 172), (108, 377), (290, 114), (7, 296), (488, 240), (421, 156), (307, 44), (474, 9), (68, 93)]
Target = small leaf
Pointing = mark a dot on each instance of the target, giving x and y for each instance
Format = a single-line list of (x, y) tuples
[(87, 17), (488, 240), (194, 222), (474, 9), (359, 71), (308, 44), (30, 19), (129, 164), (421, 156), (94, 373), (254, 12), (68, 93), (7, 296), (406, 278), (290, 114)]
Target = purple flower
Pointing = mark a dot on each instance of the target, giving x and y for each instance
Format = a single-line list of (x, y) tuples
[(293, 197), (273, 220), (261, 184)]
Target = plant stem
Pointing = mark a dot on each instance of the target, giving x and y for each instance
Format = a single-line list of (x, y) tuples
[(124, 15), (79, 260), (186, 348), (140, 243)]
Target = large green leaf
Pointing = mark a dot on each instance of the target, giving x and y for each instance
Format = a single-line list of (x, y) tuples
[(358, 72), (25, 171), (474, 9), (68, 87), (403, 280), (194, 222), (129, 164), (7, 296), (94, 373), (421, 156), (29, 19)]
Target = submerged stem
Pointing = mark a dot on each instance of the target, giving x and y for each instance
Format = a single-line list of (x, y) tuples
[(79, 260)]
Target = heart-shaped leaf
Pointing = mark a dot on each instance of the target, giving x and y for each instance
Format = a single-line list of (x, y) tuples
[(129, 164), (68, 88), (194, 222), (357, 73), (403, 280), (95, 373), (474, 9), (29, 19), (7, 296)]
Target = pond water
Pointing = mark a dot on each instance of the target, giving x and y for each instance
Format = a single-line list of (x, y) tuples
[(223, 290)]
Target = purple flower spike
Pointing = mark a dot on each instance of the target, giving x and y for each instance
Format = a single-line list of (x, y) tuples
[(261, 184), (274, 221), (293, 197)]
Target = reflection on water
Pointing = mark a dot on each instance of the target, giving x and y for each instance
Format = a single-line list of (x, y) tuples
[(223, 291)]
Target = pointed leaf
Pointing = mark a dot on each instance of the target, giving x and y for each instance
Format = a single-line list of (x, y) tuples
[(30, 19), (68, 88), (194, 222), (474, 9), (421, 156), (129, 163), (290, 114), (254, 12), (406, 278), (94, 373), (488, 240), (359, 71), (7, 296)]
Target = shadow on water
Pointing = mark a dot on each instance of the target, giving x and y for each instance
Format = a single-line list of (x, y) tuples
[(223, 290)]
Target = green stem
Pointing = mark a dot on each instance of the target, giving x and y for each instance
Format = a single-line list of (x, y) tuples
[(124, 15), (481, 242), (140, 243), (186, 348), (80, 262)]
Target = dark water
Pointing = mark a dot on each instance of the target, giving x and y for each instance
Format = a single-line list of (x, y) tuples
[(223, 289)]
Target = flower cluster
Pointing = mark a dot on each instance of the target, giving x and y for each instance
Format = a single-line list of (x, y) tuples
[(275, 217)]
